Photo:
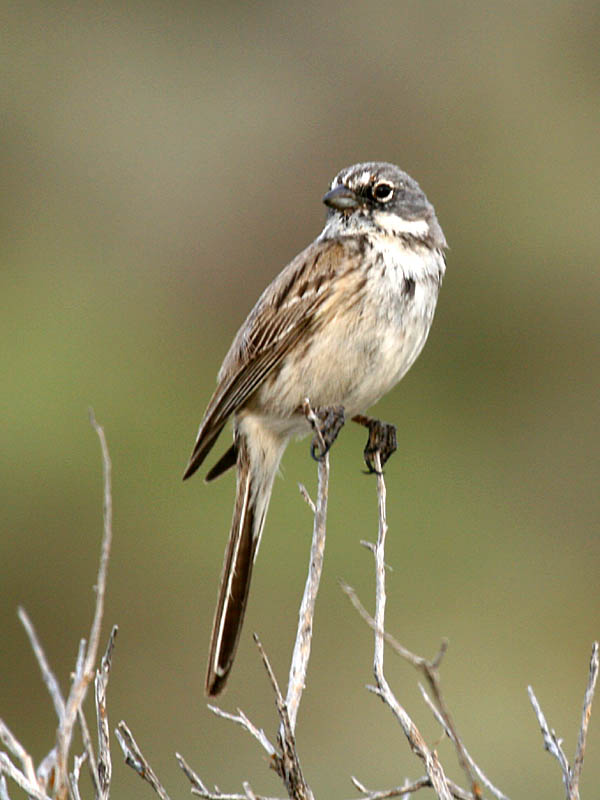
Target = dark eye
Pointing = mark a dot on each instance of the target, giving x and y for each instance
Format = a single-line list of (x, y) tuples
[(383, 192)]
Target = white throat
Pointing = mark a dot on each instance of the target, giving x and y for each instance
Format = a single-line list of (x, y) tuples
[(357, 224)]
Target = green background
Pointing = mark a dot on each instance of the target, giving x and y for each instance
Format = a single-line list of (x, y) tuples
[(161, 162)]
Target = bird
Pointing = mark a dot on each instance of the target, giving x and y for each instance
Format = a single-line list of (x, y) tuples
[(338, 327)]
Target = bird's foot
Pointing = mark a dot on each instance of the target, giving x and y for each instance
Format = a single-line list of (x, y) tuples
[(382, 439), (326, 422)]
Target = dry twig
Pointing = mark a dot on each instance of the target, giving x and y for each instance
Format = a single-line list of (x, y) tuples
[(430, 668), (570, 775), (301, 654), (104, 765), (135, 759), (434, 769), (53, 770)]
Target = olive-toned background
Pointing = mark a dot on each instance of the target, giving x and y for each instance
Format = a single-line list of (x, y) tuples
[(161, 162)]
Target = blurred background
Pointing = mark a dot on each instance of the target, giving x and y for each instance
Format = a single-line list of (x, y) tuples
[(161, 162)]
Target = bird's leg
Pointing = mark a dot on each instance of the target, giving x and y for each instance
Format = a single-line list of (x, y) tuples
[(382, 439), (326, 422)]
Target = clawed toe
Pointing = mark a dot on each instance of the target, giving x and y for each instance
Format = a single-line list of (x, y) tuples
[(326, 422), (382, 439)]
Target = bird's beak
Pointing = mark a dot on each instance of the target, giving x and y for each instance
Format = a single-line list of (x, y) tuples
[(341, 198)]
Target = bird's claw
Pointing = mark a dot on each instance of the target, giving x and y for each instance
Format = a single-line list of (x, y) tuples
[(326, 422)]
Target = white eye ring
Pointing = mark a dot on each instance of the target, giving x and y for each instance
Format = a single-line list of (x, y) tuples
[(383, 191)]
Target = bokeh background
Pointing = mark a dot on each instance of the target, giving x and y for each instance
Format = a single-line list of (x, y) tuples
[(161, 162)]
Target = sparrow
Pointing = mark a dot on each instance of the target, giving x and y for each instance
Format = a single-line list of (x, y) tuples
[(340, 326)]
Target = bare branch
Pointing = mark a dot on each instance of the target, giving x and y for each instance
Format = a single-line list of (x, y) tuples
[(104, 766), (89, 751), (585, 721), (287, 763), (94, 640), (3, 789), (248, 790), (450, 734), (551, 742), (16, 748), (417, 661), (301, 654), (53, 770), (433, 767), (429, 668), (241, 719), (47, 674), (200, 789), (398, 791), (198, 786), (80, 660), (85, 665), (74, 776), (29, 787), (46, 770), (137, 761), (307, 497)]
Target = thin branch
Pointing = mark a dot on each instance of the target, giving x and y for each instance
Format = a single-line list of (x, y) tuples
[(585, 721), (94, 640), (16, 748), (433, 767), (104, 765), (200, 789), (135, 759), (302, 644), (241, 719), (80, 660), (74, 776), (409, 787), (89, 751), (248, 791), (47, 674), (3, 789), (54, 765), (307, 497), (29, 787), (85, 665), (441, 713), (286, 763), (429, 668), (551, 742), (450, 734), (46, 770), (398, 791)]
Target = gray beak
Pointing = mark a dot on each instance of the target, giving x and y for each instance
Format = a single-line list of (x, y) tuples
[(341, 198)]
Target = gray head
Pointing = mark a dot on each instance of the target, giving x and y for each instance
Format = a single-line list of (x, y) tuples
[(379, 195)]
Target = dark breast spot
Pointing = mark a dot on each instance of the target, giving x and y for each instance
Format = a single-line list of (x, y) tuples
[(408, 288)]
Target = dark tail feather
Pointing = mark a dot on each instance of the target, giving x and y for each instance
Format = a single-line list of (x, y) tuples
[(227, 460), (201, 449), (235, 580)]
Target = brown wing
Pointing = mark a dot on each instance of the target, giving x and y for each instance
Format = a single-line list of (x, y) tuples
[(283, 313)]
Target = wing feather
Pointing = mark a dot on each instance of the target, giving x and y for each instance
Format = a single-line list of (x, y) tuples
[(283, 313)]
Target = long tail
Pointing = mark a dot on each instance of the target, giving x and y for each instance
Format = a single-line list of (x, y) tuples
[(254, 484)]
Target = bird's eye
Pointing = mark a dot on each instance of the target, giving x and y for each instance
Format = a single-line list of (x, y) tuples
[(383, 192)]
